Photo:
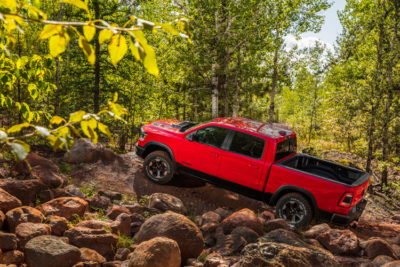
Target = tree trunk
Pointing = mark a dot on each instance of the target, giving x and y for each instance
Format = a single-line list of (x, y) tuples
[(274, 79), (235, 109), (96, 91), (214, 90), (58, 73)]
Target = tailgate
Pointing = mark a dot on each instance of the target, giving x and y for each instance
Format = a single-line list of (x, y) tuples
[(361, 189)]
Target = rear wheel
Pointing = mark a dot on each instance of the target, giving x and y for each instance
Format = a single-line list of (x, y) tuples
[(158, 167), (295, 209)]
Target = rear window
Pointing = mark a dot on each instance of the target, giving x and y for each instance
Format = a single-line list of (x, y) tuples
[(248, 145), (285, 148)]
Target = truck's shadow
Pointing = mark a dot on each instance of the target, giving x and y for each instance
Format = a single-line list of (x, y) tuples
[(198, 196)]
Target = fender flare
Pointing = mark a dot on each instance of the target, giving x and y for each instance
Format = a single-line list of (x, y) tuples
[(291, 188), (155, 143)]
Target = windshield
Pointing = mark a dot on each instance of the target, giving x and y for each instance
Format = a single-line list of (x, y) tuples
[(285, 148)]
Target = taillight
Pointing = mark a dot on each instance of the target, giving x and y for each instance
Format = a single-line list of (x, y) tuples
[(346, 200), (142, 134)]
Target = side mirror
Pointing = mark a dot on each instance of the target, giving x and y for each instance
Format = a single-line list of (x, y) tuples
[(192, 137)]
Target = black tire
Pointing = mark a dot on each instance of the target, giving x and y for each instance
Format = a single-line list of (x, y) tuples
[(295, 209), (158, 167)]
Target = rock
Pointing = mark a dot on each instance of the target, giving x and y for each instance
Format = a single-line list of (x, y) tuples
[(67, 207), (164, 202), (97, 239), (122, 254), (108, 155), (122, 225), (367, 229), (25, 190), (340, 242), (113, 196), (156, 252), (194, 263), (12, 257), (83, 151), (94, 224), (21, 215), (392, 264), (210, 217), (248, 234), (116, 210), (113, 264), (27, 231), (396, 217), (8, 201), (8, 241), (177, 227), (215, 260), (316, 230), (267, 215), (88, 254), (2, 219), (209, 228), (99, 202), (377, 246), (381, 260), (275, 224), (283, 248), (223, 212), (244, 217), (50, 251), (73, 190), (353, 261), (58, 224), (46, 171), (228, 244), (136, 222)]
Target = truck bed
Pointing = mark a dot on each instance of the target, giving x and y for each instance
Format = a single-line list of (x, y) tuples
[(326, 169)]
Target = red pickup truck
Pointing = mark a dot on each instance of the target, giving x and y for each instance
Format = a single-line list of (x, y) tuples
[(257, 160)]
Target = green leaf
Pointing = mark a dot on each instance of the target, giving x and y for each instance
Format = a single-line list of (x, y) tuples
[(9, 4), (115, 98), (49, 30), (56, 120), (18, 127), (105, 35), (169, 29), (87, 50), (20, 149), (42, 131), (76, 116), (78, 3), (58, 44), (104, 129), (88, 129), (150, 62), (117, 48), (3, 136), (89, 32), (33, 91), (134, 47)]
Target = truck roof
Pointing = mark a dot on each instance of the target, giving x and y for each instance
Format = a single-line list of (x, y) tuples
[(269, 130)]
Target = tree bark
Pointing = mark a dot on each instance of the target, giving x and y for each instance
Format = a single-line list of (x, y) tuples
[(274, 79), (96, 90)]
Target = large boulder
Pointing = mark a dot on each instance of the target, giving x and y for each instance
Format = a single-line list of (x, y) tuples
[(228, 244), (156, 252), (316, 230), (27, 231), (392, 264), (99, 240), (50, 251), (21, 215), (248, 234), (340, 242), (8, 241), (66, 207), (45, 171), (380, 261), (244, 217), (8, 201), (25, 190), (82, 151), (164, 202), (283, 248), (177, 227), (367, 229), (376, 246)]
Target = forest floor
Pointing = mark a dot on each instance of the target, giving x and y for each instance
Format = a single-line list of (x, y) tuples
[(125, 175)]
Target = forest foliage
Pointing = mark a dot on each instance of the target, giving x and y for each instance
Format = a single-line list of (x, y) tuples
[(130, 62)]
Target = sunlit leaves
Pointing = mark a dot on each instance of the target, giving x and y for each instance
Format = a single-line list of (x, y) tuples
[(105, 35), (149, 57), (3, 136), (33, 91), (58, 43), (78, 3), (20, 149), (89, 31), (117, 48), (50, 30), (8, 4), (56, 120), (104, 129), (87, 50), (76, 116), (18, 127), (88, 127), (42, 131)]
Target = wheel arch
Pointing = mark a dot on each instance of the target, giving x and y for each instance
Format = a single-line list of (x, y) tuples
[(152, 146), (283, 190)]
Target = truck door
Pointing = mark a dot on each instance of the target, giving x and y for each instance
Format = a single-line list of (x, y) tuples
[(202, 151), (243, 161)]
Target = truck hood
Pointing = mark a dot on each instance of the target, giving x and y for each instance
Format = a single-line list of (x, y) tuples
[(169, 125)]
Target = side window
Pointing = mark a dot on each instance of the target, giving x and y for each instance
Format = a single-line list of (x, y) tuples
[(212, 135), (248, 145)]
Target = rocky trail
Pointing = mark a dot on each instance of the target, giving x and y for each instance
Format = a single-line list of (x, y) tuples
[(100, 210)]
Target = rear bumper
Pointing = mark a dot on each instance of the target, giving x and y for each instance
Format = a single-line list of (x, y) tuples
[(353, 215), (139, 150)]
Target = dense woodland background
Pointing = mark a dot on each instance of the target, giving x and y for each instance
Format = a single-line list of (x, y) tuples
[(234, 63)]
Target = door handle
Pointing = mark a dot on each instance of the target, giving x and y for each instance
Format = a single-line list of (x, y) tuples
[(214, 154), (254, 166)]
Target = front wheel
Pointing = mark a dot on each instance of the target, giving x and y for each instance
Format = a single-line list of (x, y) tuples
[(294, 209), (158, 167)]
